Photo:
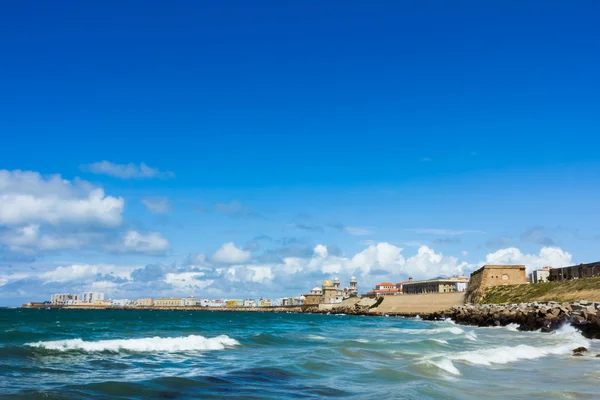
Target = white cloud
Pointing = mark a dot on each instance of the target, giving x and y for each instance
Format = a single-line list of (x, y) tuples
[(4, 279), (188, 280), (126, 171), (157, 205), (261, 274), (136, 242), (549, 256), (321, 250), (428, 264), (27, 197), (85, 272), (28, 239), (382, 256), (445, 232), (229, 254), (352, 230)]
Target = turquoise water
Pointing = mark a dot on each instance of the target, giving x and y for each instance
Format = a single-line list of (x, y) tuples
[(77, 354)]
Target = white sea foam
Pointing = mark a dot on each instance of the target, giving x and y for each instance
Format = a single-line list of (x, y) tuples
[(562, 341), (450, 329), (154, 344), (440, 341), (446, 365), (316, 337)]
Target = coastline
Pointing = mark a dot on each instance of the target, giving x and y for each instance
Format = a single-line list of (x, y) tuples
[(533, 316)]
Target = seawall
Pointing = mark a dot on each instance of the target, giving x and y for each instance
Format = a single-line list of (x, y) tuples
[(544, 316)]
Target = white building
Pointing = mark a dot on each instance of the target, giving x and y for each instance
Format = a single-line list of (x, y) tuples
[(64, 299), (210, 303), (190, 301), (540, 275), (249, 303), (92, 297), (123, 303)]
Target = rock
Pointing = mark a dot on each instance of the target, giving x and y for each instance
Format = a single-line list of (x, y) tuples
[(577, 355), (580, 350), (597, 355)]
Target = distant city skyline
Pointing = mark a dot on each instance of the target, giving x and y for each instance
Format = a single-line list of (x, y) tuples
[(243, 151)]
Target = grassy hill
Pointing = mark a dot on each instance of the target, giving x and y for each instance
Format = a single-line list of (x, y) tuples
[(579, 289)]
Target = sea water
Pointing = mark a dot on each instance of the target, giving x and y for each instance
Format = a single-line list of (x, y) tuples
[(83, 354)]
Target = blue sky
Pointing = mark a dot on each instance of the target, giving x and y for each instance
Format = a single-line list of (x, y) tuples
[(255, 149)]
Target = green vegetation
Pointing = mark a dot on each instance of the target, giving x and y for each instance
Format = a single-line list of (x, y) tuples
[(377, 303), (579, 289)]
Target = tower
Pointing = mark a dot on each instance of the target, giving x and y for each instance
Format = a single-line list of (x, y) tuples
[(336, 283), (353, 288)]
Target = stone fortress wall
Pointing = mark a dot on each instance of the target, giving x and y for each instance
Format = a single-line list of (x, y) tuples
[(494, 275)]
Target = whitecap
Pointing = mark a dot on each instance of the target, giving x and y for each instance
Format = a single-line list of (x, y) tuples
[(316, 337), (450, 329), (446, 365), (565, 340), (153, 344)]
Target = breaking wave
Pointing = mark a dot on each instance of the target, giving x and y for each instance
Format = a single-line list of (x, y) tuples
[(566, 339), (451, 329), (154, 344)]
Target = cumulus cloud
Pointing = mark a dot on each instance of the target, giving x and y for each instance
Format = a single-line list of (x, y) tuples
[(321, 251), (160, 205), (86, 272), (27, 197), (548, 256), (29, 240), (126, 171), (187, 280), (152, 243), (229, 254)]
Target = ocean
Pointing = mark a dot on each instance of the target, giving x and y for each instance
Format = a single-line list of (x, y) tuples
[(112, 354)]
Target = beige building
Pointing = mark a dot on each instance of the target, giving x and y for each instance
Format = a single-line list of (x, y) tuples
[(169, 302), (443, 285), (498, 275), (146, 302), (494, 275), (330, 292)]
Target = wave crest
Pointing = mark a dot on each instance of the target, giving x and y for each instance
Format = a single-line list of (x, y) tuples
[(568, 337), (154, 344)]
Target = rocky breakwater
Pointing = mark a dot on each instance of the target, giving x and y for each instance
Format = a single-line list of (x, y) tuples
[(364, 306), (544, 316)]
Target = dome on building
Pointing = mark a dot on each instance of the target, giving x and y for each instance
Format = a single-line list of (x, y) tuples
[(336, 280), (316, 289), (327, 282), (353, 279)]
